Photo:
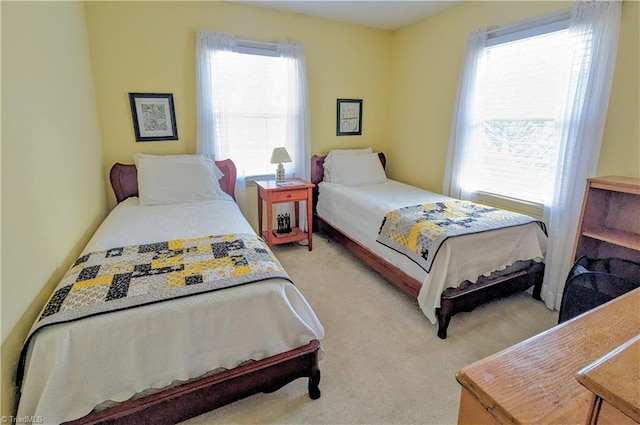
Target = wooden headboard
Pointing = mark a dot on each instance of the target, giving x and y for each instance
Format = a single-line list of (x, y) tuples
[(124, 179), (317, 173)]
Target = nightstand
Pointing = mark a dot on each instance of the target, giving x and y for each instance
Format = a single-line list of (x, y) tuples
[(295, 191)]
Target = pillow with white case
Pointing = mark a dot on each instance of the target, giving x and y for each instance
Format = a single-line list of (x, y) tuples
[(175, 179), (216, 170), (358, 170), (328, 161)]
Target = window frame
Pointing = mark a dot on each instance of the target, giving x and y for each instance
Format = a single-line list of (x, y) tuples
[(530, 28)]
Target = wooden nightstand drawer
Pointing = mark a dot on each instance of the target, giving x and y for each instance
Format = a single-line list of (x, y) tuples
[(289, 195)]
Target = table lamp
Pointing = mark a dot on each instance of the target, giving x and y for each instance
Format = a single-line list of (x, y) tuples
[(279, 156)]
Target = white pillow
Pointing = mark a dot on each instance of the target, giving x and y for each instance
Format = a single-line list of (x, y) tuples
[(328, 161), (218, 173), (358, 170), (175, 179)]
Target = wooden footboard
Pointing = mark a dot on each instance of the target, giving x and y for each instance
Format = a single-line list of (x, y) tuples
[(515, 279), (204, 394)]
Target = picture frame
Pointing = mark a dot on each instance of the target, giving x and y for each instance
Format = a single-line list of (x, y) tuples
[(349, 117), (154, 116)]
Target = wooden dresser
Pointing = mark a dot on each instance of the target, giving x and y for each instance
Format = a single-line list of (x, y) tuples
[(537, 381)]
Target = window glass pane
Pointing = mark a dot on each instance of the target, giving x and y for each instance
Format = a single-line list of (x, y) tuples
[(521, 89), (250, 97)]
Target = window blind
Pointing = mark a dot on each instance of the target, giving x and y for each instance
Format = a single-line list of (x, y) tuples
[(250, 101), (522, 84)]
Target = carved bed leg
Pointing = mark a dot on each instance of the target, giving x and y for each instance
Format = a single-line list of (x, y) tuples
[(314, 378), (314, 384), (537, 290), (444, 314), (443, 324)]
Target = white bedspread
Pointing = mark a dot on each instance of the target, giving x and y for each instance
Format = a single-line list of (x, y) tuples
[(73, 367), (358, 213)]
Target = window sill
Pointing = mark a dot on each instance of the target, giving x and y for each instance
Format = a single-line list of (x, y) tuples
[(533, 209)]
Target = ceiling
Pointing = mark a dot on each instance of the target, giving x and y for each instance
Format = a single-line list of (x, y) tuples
[(388, 15)]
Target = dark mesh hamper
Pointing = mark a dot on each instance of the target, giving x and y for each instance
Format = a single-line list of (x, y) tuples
[(592, 282)]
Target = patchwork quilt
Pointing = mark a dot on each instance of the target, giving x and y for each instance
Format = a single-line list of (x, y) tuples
[(130, 276), (418, 231)]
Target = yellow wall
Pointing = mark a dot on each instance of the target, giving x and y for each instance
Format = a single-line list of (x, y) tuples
[(620, 153), (150, 47), (53, 170), (427, 59), (53, 189)]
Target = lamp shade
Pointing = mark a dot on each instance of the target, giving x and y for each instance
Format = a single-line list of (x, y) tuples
[(280, 155)]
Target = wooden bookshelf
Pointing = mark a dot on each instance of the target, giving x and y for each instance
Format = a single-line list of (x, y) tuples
[(609, 223)]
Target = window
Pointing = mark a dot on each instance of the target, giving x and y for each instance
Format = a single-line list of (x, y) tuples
[(518, 93), (522, 94), (250, 92), (252, 98)]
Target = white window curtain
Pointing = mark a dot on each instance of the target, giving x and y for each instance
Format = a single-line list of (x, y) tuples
[(213, 125), (466, 125), (298, 126), (593, 29), (210, 126)]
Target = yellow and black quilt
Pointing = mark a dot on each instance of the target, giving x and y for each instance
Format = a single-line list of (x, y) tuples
[(418, 231), (130, 276), (125, 277)]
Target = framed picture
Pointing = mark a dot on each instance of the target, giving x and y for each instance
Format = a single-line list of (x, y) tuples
[(154, 117), (349, 117)]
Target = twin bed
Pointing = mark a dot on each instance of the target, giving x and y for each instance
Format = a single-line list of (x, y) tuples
[(163, 362), (467, 271)]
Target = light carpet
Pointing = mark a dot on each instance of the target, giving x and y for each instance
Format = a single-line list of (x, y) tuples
[(384, 363)]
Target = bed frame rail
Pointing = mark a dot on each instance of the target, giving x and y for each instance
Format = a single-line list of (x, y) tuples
[(486, 289)]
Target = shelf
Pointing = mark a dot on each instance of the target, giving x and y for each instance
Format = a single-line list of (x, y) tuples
[(614, 236), (292, 234), (295, 235)]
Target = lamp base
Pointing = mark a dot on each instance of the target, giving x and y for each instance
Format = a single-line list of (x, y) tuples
[(280, 173)]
